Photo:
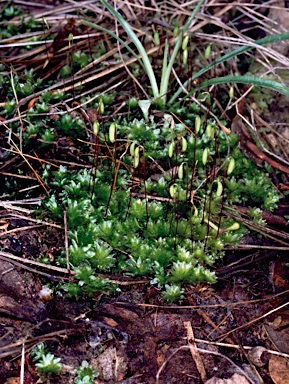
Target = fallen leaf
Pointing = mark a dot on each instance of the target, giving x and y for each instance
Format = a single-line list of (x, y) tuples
[(18, 295), (235, 379), (32, 103), (109, 322), (279, 337), (279, 370), (13, 380), (111, 364), (279, 275)]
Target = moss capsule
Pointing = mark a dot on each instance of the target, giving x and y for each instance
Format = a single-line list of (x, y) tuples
[(173, 190), (231, 166), (112, 132), (136, 157), (219, 189), (233, 227), (100, 107), (96, 127), (171, 149), (156, 38), (184, 144), (210, 131), (185, 42), (176, 31), (132, 148), (205, 156), (197, 124), (231, 92), (185, 56), (208, 52), (181, 171)]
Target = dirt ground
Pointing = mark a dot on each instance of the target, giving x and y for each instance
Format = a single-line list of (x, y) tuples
[(133, 337)]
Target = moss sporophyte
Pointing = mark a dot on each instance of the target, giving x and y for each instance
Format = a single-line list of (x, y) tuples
[(169, 226), (152, 192)]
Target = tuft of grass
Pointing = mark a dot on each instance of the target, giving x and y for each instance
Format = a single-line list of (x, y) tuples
[(160, 92)]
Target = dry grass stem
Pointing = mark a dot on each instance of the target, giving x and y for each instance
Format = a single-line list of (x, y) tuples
[(237, 368), (253, 321), (194, 351)]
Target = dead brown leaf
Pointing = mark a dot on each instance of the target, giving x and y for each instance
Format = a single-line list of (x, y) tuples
[(13, 380), (235, 379), (279, 337), (279, 370), (18, 294), (32, 103), (111, 364)]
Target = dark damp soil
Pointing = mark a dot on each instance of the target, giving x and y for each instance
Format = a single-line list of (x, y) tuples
[(133, 337)]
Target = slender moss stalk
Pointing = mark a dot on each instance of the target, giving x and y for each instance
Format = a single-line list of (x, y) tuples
[(230, 55), (159, 92)]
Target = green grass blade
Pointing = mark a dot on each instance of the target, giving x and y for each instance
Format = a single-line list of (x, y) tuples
[(166, 74), (166, 78), (163, 91), (235, 52), (146, 61), (273, 85)]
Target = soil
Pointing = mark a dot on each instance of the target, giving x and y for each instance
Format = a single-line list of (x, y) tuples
[(134, 338)]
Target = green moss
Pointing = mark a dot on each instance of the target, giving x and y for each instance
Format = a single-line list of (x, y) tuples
[(168, 241), (152, 206)]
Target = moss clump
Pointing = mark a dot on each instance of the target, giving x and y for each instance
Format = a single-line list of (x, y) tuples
[(166, 228)]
